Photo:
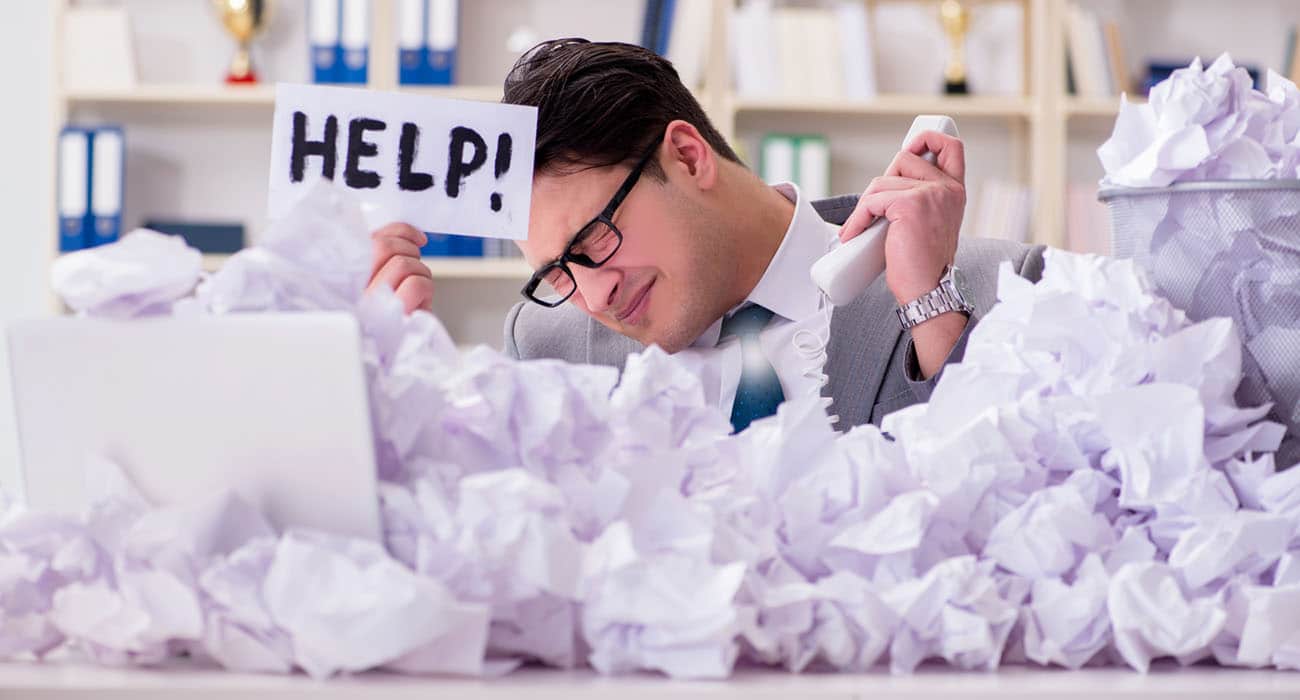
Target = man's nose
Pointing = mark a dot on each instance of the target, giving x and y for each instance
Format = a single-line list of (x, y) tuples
[(599, 286)]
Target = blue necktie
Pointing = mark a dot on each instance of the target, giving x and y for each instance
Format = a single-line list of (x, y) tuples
[(759, 392)]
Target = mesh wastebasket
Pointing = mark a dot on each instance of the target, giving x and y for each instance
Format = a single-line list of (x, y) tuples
[(1228, 248)]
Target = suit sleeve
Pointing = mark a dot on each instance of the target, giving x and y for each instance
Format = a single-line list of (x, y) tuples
[(509, 345), (922, 387), (1030, 266)]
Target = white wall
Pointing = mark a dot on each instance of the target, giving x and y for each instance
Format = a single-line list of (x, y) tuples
[(25, 181)]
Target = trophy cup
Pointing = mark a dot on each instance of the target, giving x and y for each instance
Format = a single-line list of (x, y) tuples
[(243, 19), (956, 19)]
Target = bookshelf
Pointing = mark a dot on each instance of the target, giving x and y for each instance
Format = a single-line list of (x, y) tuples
[(164, 96), (1041, 136), (908, 105), (442, 268)]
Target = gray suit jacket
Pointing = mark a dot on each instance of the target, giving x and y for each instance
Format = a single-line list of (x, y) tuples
[(870, 363)]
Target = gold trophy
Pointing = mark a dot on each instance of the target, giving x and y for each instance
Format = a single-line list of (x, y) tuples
[(956, 19), (244, 19)]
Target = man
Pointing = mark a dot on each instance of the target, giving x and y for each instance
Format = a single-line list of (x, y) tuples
[(645, 228)]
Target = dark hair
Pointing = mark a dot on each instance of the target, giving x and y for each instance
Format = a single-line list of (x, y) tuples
[(603, 103)]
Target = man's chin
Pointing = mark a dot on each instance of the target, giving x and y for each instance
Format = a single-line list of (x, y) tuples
[(653, 330), (668, 342)]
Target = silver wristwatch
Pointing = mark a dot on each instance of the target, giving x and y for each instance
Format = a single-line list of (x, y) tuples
[(952, 294)]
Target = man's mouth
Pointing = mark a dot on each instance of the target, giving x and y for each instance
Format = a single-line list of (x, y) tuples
[(636, 308)]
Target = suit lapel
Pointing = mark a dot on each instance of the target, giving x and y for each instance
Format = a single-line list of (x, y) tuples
[(863, 338)]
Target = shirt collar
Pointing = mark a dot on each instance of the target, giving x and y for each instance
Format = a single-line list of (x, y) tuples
[(786, 286)]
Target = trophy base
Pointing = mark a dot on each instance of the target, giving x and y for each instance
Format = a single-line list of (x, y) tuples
[(957, 88), (241, 68)]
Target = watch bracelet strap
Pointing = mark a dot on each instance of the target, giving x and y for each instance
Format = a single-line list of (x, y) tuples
[(929, 305)]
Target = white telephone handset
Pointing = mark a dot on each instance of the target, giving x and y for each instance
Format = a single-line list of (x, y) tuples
[(849, 269)]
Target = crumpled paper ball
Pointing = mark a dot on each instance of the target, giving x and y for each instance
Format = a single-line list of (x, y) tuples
[(141, 274)]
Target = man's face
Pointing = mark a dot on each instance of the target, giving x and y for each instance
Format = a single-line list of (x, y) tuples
[(668, 281)]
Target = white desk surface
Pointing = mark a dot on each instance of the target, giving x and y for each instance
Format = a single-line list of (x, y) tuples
[(185, 682)]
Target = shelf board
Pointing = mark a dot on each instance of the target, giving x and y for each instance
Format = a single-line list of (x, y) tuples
[(1096, 106), (177, 94), (442, 268), (479, 268), (956, 106), (182, 94), (482, 93)]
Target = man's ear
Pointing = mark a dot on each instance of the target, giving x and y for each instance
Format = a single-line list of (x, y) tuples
[(685, 154)]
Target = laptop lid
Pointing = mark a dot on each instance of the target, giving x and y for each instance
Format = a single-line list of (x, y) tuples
[(273, 406)]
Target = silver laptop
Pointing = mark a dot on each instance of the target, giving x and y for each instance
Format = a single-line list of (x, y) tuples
[(273, 406)]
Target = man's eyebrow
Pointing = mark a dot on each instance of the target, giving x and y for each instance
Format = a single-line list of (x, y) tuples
[(586, 228)]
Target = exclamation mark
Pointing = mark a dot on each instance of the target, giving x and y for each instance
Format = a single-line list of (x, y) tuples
[(504, 146)]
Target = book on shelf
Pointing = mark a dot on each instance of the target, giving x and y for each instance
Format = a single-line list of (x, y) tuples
[(208, 237), (323, 39), (753, 62), (73, 188), (90, 186), (428, 32), (338, 36), (1001, 209), (446, 245), (1089, 54), (97, 47), (1119, 80), (803, 159), (679, 31), (107, 173), (857, 61), (688, 39), (1291, 60), (354, 42), (821, 51), (995, 49), (656, 26)]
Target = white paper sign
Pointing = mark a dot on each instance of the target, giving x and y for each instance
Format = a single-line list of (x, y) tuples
[(443, 166)]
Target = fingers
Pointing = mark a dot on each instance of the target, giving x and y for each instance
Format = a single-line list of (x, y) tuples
[(862, 217), (910, 165), (887, 183), (397, 269), (950, 153), (384, 248), (395, 239), (401, 230), (416, 293), (870, 207)]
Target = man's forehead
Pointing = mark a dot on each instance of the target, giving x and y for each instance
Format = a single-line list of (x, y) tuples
[(563, 203)]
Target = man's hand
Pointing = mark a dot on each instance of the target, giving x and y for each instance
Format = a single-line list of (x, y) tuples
[(924, 204), (396, 264)]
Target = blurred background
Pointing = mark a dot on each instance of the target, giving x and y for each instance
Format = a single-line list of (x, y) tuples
[(126, 113)]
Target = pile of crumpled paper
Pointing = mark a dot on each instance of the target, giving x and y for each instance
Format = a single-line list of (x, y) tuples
[(1228, 243), (1081, 489)]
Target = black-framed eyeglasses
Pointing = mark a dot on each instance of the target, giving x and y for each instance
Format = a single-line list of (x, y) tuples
[(591, 247)]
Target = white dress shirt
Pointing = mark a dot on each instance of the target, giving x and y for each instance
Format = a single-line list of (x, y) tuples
[(800, 315)]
